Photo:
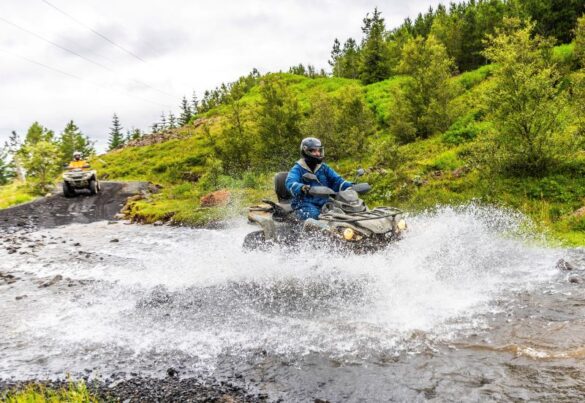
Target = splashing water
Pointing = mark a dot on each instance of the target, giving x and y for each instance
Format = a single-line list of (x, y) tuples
[(192, 297)]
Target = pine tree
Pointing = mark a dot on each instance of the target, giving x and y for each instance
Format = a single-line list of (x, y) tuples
[(6, 172), (13, 143), (335, 53), (375, 62), (194, 104), (72, 140), (13, 146), (163, 121), (116, 138), (172, 124), (186, 113)]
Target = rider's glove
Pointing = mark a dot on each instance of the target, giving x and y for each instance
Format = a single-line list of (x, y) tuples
[(305, 189)]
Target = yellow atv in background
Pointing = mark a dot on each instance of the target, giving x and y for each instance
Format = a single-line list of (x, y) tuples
[(80, 178)]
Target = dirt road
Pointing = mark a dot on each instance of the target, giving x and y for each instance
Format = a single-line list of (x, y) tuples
[(57, 210)]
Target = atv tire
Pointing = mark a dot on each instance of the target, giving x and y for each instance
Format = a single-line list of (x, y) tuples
[(255, 240), (93, 187), (67, 191)]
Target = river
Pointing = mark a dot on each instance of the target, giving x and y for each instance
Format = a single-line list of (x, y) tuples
[(467, 307)]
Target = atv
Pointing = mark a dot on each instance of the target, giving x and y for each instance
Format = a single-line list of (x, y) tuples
[(79, 178), (345, 221)]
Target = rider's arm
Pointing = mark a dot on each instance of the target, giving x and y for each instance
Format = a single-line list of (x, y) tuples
[(336, 181), (294, 182)]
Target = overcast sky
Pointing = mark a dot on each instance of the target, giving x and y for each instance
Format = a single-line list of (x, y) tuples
[(53, 68)]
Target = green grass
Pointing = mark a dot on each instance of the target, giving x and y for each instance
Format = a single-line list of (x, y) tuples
[(470, 79), (437, 170), (15, 193), (380, 97), (75, 392)]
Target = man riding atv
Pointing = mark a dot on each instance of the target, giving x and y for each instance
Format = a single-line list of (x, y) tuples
[(315, 203), (304, 204), (78, 162), (78, 176)]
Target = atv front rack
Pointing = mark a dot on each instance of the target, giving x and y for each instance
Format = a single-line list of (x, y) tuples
[(375, 214)]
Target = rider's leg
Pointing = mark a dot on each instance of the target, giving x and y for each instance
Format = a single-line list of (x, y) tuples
[(307, 211)]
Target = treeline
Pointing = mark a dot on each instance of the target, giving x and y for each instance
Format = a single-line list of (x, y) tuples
[(528, 118), (41, 154), (461, 28)]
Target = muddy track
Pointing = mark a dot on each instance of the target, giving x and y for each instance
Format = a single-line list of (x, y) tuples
[(58, 210)]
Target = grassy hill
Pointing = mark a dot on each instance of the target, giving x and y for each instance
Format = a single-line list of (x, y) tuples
[(423, 174)]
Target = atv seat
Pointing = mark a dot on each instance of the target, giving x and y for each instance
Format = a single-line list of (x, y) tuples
[(283, 195)]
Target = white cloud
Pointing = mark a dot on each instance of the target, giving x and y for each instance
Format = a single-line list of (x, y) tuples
[(187, 45)]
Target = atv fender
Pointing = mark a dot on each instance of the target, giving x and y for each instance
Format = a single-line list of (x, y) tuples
[(267, 225)]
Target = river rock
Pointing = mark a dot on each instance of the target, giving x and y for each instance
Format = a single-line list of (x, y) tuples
[(576, 279), (218, 198), (562, 264), (51, 282)]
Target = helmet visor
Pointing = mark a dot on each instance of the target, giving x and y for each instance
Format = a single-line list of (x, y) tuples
[(317, 152)]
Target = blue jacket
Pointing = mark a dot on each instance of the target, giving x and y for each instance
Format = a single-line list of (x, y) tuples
[(327, 177)]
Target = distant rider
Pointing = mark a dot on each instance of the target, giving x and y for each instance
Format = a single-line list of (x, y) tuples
[(77, 161), (312, 154)]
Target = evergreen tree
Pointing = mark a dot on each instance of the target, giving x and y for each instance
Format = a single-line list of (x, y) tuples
[(554, 18), (194, 104), (132, 135), (14, 142), (116, 138), (347, 64), (163, 121), (375, 56), (186, 112), (72, 140), (172, 123), (6, 172), (335, 53), (13, 146)]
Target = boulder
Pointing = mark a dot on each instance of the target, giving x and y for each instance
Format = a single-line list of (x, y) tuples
[(218, 198), (580, 212)]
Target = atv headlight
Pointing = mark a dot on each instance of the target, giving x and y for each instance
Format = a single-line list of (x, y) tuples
[(348, 234), (401, 224)]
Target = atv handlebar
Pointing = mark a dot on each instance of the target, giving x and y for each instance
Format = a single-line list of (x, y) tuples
[(324, 191)]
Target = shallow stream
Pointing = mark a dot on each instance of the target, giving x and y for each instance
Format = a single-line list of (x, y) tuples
[(464, 308)]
